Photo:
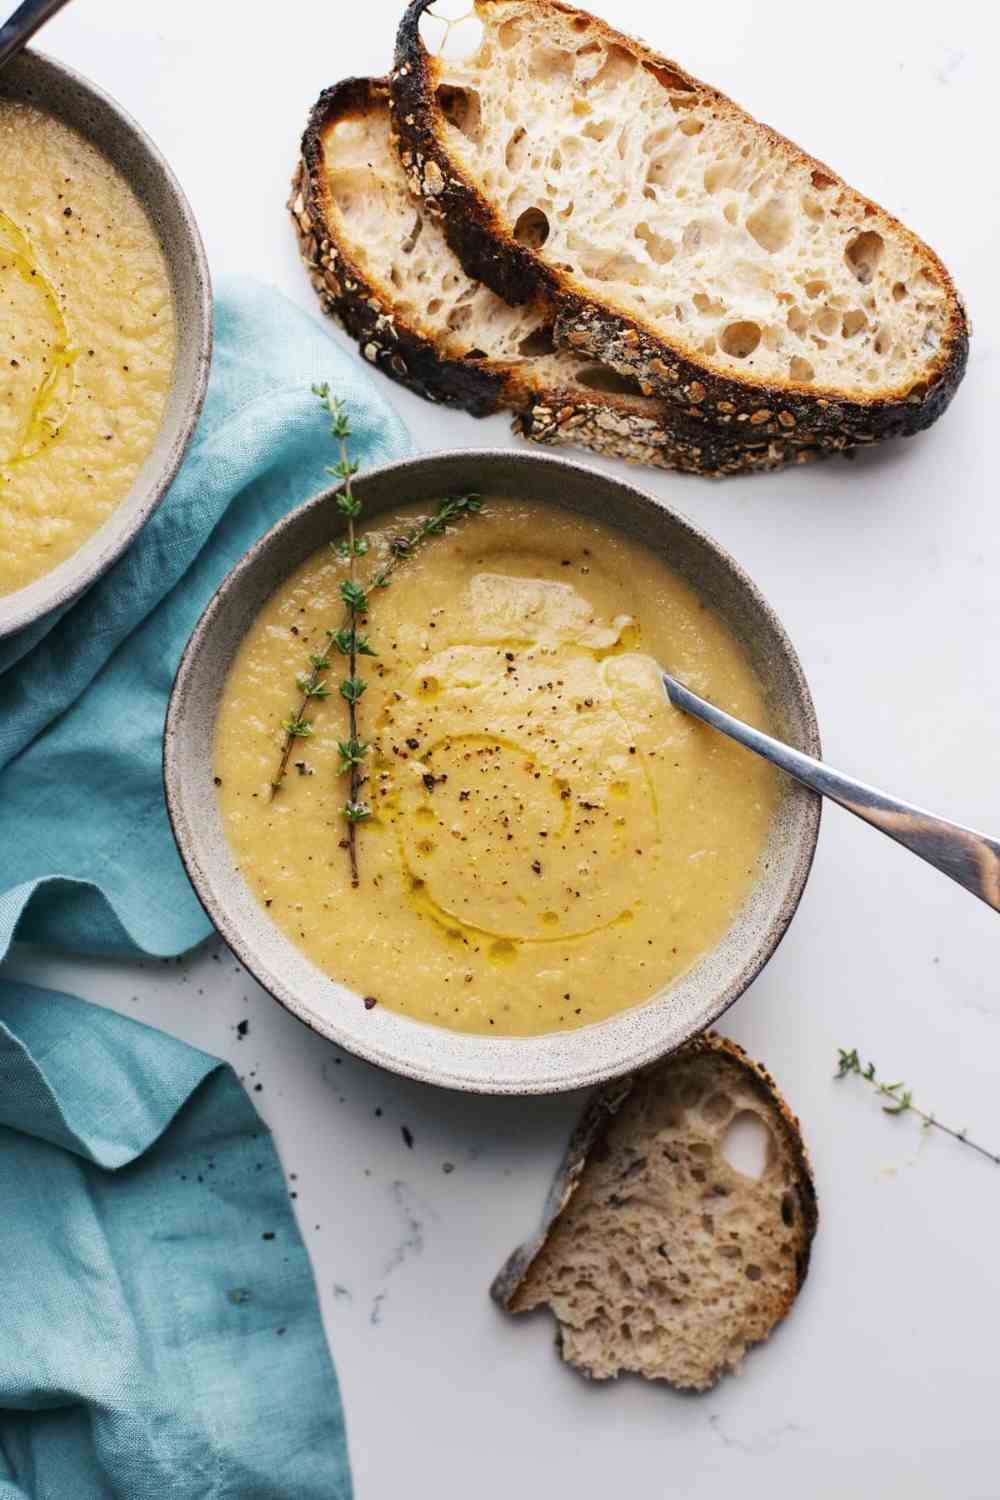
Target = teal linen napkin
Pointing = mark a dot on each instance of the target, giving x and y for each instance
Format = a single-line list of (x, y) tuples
[(87, 861), (159, 1333)]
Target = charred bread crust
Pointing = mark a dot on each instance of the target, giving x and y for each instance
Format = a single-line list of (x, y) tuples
[(823, 416), (592, 1128), (480, 387), (344, 291), (472, 228)]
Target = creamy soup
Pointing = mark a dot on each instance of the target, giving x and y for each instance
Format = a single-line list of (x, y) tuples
[(86, 341), (551, 841)]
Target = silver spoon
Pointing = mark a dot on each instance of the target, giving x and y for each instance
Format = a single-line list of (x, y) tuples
[(960, 853), (18, 31)]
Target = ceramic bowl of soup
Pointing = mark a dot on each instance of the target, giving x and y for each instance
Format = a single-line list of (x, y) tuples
[(105, 323), (559, 876)]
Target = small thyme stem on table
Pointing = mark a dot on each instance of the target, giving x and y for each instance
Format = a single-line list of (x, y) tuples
[(901, 1100), (348, 639)]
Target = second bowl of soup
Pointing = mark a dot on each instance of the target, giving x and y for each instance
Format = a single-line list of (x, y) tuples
[(105, 323)]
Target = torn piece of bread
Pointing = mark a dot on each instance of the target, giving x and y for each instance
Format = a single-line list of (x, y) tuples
[(655, 1254), (674, 237), (381, 264)]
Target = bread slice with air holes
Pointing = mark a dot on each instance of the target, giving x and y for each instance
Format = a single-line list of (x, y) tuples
[(655, 1254), (673, 236), (381, 264)]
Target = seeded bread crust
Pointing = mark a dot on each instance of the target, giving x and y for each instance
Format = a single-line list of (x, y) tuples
[(638, 440), (637, 430), (384, 339), (823, 417), (521, 1284)]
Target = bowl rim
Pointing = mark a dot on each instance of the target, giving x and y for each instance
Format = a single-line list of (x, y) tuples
[(74, 580), (342, 1035)]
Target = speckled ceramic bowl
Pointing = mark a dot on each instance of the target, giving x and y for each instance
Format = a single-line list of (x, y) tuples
[(51, 87), (488, 1064)]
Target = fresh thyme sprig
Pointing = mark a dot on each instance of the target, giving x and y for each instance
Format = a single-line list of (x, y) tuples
[(348, 640), (901, 1099), (353, 750), (314, 685)]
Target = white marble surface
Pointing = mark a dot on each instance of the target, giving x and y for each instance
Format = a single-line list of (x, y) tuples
[(883, 1380)]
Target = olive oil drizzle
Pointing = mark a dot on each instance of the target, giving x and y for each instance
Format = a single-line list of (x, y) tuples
[(54, 395), (501, 945)]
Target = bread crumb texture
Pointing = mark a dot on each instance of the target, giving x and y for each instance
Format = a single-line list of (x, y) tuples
[(380, 261), (659, 198), (660, 1256), (400, 248)]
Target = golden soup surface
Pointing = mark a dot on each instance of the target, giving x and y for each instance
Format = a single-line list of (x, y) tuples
[(86, 341), (551, 842)]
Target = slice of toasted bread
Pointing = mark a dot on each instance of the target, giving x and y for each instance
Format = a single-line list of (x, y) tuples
[(655, 1254), (673, 236), (382, 265)]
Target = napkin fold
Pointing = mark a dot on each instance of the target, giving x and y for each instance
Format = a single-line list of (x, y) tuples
[(159, 1331), (87, 860)]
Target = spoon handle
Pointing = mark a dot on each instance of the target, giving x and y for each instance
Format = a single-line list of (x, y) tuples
[(970, 858), (22, 25)]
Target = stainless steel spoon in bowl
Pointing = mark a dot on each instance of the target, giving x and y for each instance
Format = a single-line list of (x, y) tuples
[(968, 857), (22, 25)]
